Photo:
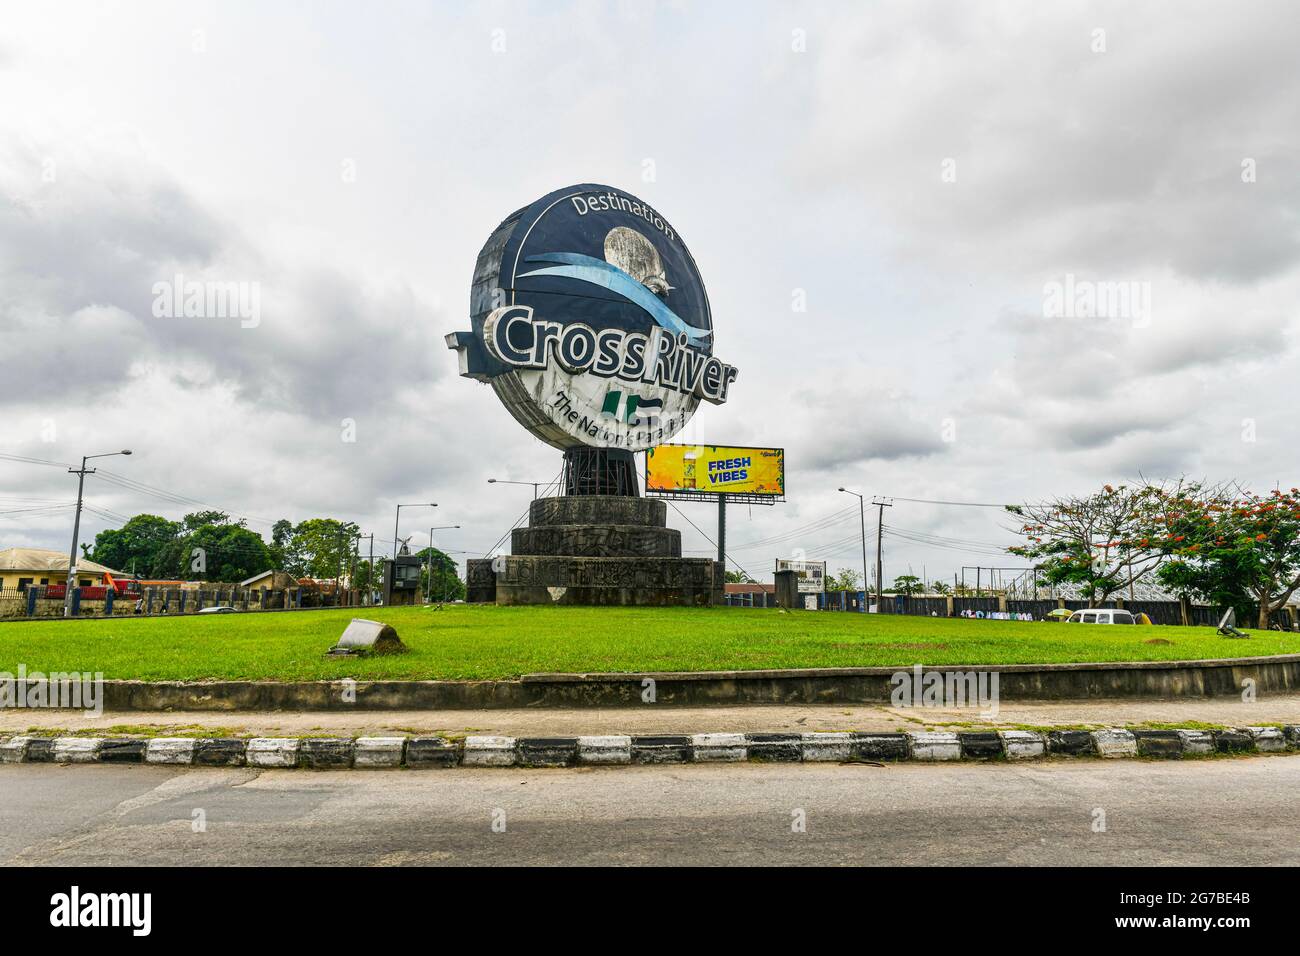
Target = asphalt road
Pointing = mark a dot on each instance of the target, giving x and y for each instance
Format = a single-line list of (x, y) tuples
[(1222, 812)]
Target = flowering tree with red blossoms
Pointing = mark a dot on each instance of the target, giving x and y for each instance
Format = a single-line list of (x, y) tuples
[(1230, 545)]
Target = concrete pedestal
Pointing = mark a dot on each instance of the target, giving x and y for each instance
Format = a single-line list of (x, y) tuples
[(596, 550)]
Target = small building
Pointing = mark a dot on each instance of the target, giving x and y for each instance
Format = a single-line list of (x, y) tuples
[(20, 567), (748, 594)]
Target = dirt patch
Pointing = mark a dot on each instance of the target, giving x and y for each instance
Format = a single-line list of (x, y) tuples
[(1157, 640), (896, 647)]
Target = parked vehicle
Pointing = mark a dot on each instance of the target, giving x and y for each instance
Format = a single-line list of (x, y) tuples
[(1102, 616), (219, 609)]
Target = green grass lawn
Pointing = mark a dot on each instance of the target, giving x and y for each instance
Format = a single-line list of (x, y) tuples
[(483, 642)]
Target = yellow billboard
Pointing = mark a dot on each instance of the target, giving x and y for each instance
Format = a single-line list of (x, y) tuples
[(714, 469)]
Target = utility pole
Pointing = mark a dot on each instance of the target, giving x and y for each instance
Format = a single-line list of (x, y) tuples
[(81, 472), (370, 572), (880, 569)]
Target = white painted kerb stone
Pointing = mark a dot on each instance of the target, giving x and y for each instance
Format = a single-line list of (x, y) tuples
[(170, 750), (1023, 744), (1196, 742), (13, 750), (1115, 743), (1267, 739), (719, 748), (77, 749), (272, 752), (378, 752), (935, 745), (489, 752), (612, 749)]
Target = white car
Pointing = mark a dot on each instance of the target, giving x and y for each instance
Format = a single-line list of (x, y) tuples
[(1102, 616), (219, 609)]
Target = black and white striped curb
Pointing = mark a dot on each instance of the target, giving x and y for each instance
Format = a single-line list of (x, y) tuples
[(331, 753)]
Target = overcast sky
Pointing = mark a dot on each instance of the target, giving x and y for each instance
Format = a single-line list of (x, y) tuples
[(919, 174)]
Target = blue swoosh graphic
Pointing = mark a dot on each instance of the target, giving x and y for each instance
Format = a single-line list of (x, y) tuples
[(611, 277)]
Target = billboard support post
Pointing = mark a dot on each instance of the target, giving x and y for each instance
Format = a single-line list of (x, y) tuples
[(722, 532)]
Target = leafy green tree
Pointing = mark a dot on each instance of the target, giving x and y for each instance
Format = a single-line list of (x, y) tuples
[(1092, 541), (209, 546), (908, 584), (446, 584), (737, 577), (134, 547), (320, 548), (846, 579), (941, 587)]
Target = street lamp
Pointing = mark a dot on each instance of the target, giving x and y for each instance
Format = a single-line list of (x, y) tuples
[(862, 520), (82, 472), (398, 518), (428, 586), (503, 481)]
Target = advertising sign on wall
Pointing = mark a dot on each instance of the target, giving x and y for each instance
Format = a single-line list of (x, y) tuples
[(715, 469), (812, 574)]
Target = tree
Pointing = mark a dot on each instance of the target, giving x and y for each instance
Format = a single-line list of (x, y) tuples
[(908, 584), (1093, 541), (1232, 547), (209, 546), (738, 577), (134, 547), (446, 584), (846, 579), (320, 548), (941, 587)]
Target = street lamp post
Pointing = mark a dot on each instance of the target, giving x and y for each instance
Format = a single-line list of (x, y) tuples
[(398, 518), (82, 472), (862, 520), (503, 481), (428, 585)]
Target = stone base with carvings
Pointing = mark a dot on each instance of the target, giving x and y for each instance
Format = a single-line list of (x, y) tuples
[(596, 550)]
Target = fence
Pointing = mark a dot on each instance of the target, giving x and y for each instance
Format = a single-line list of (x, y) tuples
[(31, 602), (1160, 612)]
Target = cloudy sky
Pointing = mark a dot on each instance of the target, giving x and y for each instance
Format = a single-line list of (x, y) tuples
[(920, 175)]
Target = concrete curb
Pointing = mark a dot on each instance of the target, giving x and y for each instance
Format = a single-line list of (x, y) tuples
[(336, 753), (828, 685)]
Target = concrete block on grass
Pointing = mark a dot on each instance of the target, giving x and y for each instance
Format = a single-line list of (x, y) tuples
[(1233, 742), (1158, 743), (547, 751), (718, 748), (122, 751), (605, 750), (423, 753), (272, 752), (777, 748), (1196, 743), (1267, 739), (170, 750), (878, 748), (219, 752), (1115, 743), (1071, 743), (980, 744), (1023, 744), (935, 745), (489, 752), (378, 752), (652, 750), (77, 749), (827, 747), (1292, 734)]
